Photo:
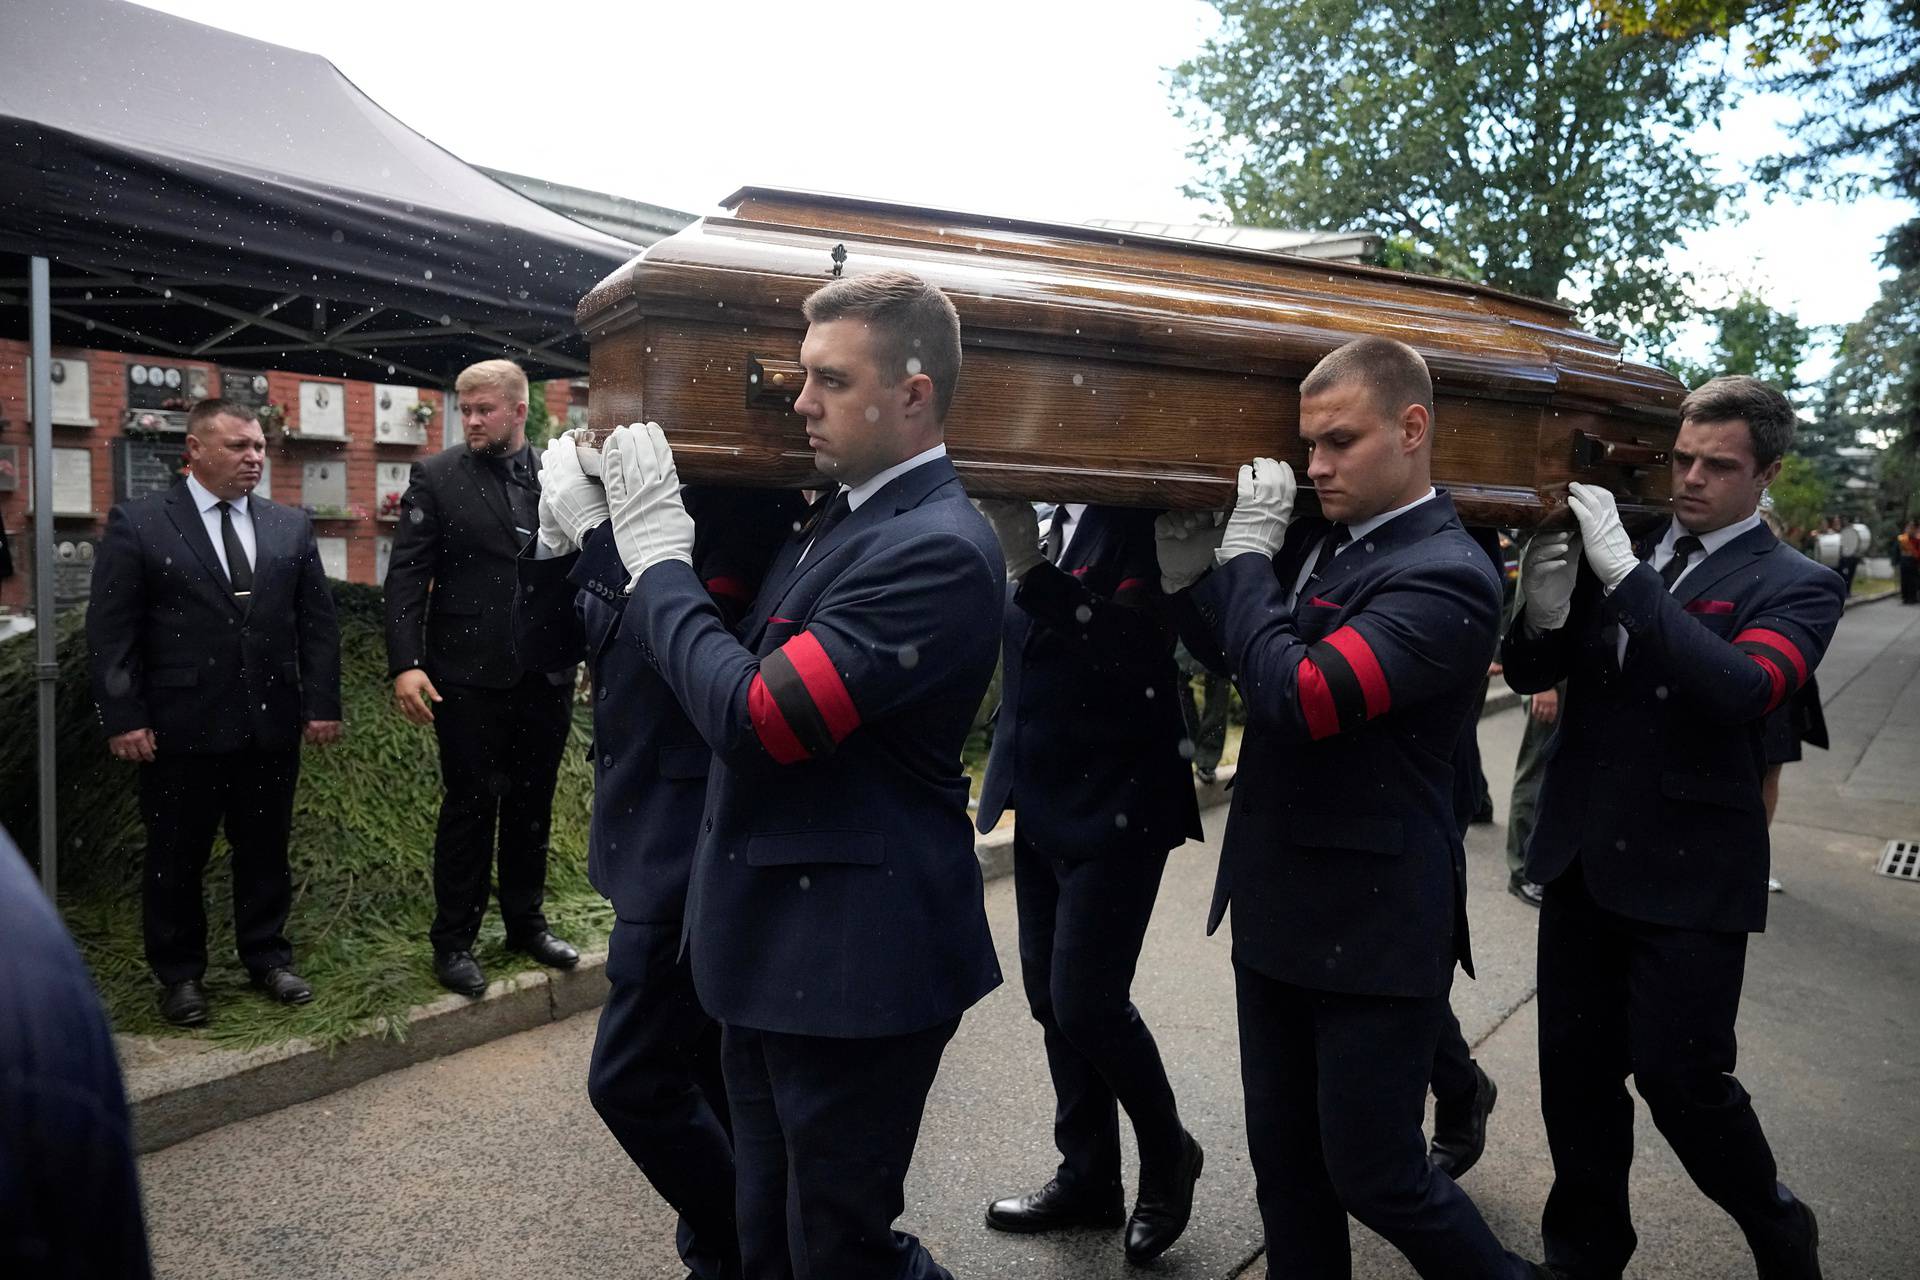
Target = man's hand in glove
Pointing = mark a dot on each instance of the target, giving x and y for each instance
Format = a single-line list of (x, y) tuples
[(1547, 570), (571, 504), (650, 523), (1018, 529), (1261, 510), (1604, 539), (1185, 543)]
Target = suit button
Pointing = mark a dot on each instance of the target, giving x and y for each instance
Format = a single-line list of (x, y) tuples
[(602, 693), (606, 762)]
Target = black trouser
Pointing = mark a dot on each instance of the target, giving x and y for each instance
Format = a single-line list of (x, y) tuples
[(499, 756), (1455, 1084), (655, 1080), (1619, 998), (1909, 580), (1082, 922), (823, 1131), (1336, 1089), (1529, 771), (183, 800)]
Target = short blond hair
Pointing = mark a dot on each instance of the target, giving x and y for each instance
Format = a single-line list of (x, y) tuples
[(502, 375)]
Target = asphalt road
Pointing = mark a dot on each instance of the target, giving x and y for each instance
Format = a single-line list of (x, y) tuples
[(492, 1160)]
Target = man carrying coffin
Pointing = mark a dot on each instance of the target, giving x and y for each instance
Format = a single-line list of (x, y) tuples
[(1651, 838), (835, 917), (1359, 650), (1087, 748), (655, 1073)]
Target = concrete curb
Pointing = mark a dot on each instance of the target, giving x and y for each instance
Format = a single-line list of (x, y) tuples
[(1854, 602)]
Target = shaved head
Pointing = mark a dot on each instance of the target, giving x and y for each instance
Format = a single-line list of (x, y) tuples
[(1392, 372)]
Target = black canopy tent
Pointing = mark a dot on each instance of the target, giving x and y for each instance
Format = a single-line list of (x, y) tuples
[(173, 189)]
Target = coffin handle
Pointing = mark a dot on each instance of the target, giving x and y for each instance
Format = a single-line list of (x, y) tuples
[(773, 383), (1591, 451)]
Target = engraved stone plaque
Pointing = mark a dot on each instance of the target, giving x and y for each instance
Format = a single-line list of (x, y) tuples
[(72, 393), (323, 487), (323, 410), (382, 557), (393, 415), (390, 485), (333, 557), (73, 482)]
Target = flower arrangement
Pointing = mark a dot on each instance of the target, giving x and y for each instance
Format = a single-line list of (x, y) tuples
[(273, 419), (422, 414), (390, 504), (352, 511)]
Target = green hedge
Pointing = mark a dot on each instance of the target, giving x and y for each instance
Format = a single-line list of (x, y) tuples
[(361, 851)]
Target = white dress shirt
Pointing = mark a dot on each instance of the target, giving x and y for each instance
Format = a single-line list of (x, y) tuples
[(207, 503), (1355, 532)]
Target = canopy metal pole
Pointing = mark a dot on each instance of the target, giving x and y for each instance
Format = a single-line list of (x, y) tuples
[(47, 668)]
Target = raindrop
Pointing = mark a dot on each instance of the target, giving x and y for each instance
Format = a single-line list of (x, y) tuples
[(1078, 379), (909, 657), (1149, 691), (806, 882), (1660, 692), (1186, 749), (1120, 821), (339, 237), (1082, 614), (913, 365), (1621, 844)]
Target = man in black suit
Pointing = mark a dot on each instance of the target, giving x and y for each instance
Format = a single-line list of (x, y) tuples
[(1360, 649), (1087, 747), (835, 916), (1652, 832), (214, 650), (450, 590)]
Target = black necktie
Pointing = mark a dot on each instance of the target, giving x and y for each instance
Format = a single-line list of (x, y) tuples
[(830, 513), (239, 568), (1683, 549), (1056, 544), (1337, 537)]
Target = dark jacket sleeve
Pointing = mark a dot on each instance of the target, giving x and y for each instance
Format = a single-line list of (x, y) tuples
[(1746, 677), (410, 569), (1425, 632), (878, 640), (1129, 630), (116, 611), (319, 630), (547, 631), (1538, 660)]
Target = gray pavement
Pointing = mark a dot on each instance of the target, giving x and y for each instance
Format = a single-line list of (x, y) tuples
[(491, 1158)]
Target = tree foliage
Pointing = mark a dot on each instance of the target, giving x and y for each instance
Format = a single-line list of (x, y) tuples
[(1814, 29), (1799, 492), (1755, 339), (1527, 144)]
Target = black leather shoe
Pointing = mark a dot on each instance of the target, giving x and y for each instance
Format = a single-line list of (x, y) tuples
[(1798, 1257), (1165, 1204), (284, 985), (548, 950), (1527, 891), (459, 971), (1053, 1208), (1460, 1130), (185, 1003)]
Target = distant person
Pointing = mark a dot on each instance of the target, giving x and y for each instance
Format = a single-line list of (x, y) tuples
[(1206, 718), (214, 651), (1908, 545), (1853, 543), (501, 727), (69, 1189), (1652, 836)]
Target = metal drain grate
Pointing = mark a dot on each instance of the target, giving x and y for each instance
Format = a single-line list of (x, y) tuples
[(1901, 860)]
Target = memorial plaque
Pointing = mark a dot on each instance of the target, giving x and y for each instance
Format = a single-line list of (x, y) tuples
[(323, 487), (244, 386), (141, 467), (72, 570), (9, 467), (73, 482), (153, 385), (72, 393), (323, 410), (382, 557), (265, 487), (390, 485), (393, 420), (333, 557)]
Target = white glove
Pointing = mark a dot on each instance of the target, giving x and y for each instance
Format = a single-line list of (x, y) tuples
[(570, 503), (650, 523), (1018, 529), (1185, 542), (1547, 569), (1261, 510), (1602, 536)]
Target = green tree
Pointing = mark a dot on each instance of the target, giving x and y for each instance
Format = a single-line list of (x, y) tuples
[(539, 421), (1814, 29), (1527, 141), (1799, 493), (1755, 339)]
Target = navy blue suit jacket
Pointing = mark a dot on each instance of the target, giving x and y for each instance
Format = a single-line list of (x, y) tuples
[(1343, 858), (1653, 777), (835, 890), (170, 648), (1086, 745), (649, 763)]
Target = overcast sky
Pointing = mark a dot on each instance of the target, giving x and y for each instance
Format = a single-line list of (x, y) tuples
[(1053, 109)]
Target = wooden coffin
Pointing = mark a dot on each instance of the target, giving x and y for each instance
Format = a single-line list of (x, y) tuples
[(1113, 368)]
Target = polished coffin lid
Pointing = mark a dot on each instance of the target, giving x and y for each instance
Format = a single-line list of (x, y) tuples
[(1110, 367)]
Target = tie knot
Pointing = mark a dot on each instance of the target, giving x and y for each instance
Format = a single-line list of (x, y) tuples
[(223, 506), (1686, 545), (1338, 537)]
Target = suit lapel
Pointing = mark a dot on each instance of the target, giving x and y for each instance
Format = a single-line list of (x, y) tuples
[(1735, 555), (490, 494), (186, 520)]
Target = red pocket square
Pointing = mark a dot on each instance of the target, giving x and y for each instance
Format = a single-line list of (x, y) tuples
[(1709, 606), (1324, 604)]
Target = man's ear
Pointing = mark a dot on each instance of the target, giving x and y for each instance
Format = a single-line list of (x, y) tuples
[(1770, 472), (918, 389), (1415, 425)]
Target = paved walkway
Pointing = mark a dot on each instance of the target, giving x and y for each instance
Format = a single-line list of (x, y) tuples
[(491, 1159)]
